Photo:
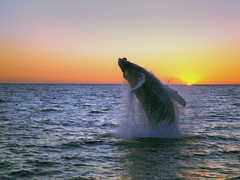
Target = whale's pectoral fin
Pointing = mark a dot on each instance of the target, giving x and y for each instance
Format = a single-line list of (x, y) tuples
[(174, 94), (140, 83)]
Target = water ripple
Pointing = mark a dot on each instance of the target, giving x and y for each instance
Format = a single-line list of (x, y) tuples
[(68, 132)]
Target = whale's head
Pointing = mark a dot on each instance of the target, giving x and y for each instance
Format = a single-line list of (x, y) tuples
[(134, 74)]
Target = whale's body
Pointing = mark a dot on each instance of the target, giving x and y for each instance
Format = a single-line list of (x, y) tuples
[(157, 99)]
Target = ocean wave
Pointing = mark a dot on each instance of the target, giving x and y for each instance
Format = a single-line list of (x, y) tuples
[(4, 118), (95, 112), (72, 145), (22, 173), (51, 110), (3, 101), (93, 142), (41, 163), (81, 178)]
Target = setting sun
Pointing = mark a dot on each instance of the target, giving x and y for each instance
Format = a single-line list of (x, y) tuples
[(189, 78)]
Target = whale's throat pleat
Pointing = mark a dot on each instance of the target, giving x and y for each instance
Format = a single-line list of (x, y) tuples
[(141, 81)]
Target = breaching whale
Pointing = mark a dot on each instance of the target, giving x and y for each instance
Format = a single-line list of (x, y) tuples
[(158, 100)]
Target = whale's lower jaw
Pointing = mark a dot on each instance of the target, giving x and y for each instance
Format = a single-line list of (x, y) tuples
[(123, 64)]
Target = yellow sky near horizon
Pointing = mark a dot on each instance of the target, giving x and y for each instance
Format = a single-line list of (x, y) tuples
[(22, 64)]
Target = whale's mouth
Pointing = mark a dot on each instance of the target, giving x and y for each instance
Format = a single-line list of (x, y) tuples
[(123, 64)]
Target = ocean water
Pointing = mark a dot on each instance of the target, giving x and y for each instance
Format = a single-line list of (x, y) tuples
[(58, 131)]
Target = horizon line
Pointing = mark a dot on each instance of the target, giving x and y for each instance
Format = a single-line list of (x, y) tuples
[(95, 83)]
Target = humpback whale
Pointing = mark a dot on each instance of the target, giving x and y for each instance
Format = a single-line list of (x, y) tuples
[(157, 99)]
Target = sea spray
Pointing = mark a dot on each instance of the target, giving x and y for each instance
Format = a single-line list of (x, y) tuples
[(134, 122)]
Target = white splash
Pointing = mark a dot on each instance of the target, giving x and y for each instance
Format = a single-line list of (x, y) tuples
[(134, 122)]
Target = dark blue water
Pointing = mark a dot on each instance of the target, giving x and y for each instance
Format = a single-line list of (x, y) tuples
[(64, 132)]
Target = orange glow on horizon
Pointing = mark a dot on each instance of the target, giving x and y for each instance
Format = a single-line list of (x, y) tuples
[(20, 64), (35, 65)]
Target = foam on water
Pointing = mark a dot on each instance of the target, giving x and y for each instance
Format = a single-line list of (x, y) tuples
[(134, 122)]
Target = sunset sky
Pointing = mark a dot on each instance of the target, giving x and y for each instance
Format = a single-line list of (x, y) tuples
[(80, 41)]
